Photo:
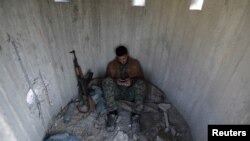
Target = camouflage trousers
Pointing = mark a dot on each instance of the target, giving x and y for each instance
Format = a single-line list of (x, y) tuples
[(135, 93)]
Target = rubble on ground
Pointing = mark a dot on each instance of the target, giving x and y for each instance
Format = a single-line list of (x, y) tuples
[(91, 126)]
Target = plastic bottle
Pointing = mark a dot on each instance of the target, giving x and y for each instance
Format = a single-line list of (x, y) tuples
[(70, 111)]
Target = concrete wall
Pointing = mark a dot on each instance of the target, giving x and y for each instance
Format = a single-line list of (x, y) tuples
[(200, 59)]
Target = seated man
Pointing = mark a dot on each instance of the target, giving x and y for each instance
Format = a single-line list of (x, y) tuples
[(124, 81)]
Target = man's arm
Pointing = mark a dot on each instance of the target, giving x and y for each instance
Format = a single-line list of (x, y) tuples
[(108, 72), (138, 75), (140, 71)]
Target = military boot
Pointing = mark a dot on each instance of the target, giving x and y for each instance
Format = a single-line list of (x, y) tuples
[(135, 127), (111, 121)]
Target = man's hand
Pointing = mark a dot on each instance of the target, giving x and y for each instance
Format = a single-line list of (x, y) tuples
[(127, 82)]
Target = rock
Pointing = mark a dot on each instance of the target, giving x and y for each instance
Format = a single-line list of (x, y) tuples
[(125, 105), (135, 137), (150, 109), (82, 108), (124, 122), (63, 137), (70, 111), (128, 106), (139, 137), (154, 95), (121, 136), (159, 139), (173, 131)]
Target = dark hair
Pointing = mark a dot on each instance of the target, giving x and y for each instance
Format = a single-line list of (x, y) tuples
[(121, 50)]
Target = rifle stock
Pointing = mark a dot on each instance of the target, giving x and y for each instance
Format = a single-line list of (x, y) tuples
[(83, 82), (84, 85)]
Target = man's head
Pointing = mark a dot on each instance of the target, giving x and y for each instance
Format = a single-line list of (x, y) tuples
[(122, 54)]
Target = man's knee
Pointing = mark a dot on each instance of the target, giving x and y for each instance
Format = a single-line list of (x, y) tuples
[(140, 91), (140, 82), (107, 81)]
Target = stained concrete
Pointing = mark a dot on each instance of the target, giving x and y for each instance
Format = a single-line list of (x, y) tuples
[(200, 59)]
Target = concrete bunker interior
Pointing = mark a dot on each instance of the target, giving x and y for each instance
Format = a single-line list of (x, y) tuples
[(199, 59)]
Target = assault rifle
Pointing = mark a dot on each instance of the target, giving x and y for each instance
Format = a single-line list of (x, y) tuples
[(83, 82)]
